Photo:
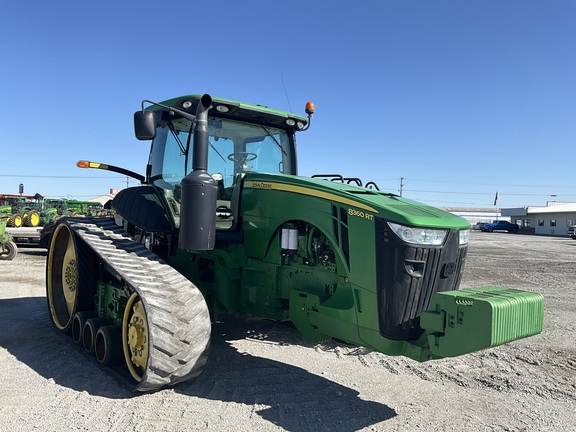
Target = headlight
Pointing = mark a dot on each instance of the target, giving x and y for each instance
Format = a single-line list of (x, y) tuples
[(464, 236), (419, 236)]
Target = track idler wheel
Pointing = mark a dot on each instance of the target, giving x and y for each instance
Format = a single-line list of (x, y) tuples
[(135, 337), (70, 277)]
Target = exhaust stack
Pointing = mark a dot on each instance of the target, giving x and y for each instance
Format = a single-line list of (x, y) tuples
[(199, 190)]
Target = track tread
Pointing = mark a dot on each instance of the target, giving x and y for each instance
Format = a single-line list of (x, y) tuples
[(178, 318)]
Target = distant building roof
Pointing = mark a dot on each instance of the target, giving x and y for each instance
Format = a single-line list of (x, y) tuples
[(469, 210), (555, 208), (551, 207), (102, 199)]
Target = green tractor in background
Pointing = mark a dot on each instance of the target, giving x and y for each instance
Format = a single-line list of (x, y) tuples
[(24, 209), (84, 208), (74, 208), (48, 215), (12, 205), (55, 208), (8, 248), (221, 223)]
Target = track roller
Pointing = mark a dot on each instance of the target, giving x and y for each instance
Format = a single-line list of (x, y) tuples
[(78, 322), (89, 331), (108, 345)]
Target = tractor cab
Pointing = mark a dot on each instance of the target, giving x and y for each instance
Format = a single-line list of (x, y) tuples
[(202, 149), (234, 139), (235, 147)]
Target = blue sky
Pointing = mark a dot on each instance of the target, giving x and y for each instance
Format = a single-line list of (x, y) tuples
[(459, 98)]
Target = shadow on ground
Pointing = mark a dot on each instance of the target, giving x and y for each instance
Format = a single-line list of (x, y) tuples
[(287, 396)]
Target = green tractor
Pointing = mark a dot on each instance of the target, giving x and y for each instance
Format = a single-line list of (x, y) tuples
[(11, 205), (55, 208), (75, 208), (221, 223), (48, 215), (24, 209), (69, 207), (8, 248)]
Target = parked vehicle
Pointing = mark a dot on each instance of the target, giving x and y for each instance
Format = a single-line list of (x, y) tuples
[(222, 223), (572, 232), (24, 209), (501, 225), (8, 248)]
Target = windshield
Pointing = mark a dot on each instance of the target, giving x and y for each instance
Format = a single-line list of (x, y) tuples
[(234, 148)]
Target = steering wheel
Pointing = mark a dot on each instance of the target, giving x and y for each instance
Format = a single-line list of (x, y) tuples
[(242, 157)]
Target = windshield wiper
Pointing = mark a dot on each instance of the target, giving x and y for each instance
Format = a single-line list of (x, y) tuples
[(214, 148), (177, 138), (185, 150), (265, 129)]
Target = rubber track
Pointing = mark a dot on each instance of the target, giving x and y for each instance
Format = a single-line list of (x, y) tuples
[(178, 319)]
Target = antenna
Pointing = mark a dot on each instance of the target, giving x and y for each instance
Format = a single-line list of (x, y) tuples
[(285, 92)]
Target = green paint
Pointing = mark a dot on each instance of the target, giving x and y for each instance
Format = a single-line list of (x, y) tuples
[(318, 252)]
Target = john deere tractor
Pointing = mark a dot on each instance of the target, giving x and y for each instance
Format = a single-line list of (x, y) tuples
[(222, 223), (25, 209)]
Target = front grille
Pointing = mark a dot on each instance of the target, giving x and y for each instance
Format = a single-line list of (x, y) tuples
[(407, 276)]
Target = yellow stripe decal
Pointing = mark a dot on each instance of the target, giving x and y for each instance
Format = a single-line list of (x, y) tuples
[(307, 191), (98, 165)]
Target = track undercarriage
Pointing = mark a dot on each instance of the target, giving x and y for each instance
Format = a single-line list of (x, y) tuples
[(124, 305)]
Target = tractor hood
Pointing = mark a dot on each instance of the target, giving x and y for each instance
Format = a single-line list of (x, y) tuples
[(391, 207)]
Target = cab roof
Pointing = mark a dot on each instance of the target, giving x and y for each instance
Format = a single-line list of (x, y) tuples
[(231, 109)]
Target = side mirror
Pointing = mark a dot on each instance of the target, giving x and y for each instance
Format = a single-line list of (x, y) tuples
[(145, 125)]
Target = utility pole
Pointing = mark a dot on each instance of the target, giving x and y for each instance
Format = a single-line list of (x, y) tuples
[(127, 182), (401, 185)]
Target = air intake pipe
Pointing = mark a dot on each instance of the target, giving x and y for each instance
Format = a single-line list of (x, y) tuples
[(199, 190)]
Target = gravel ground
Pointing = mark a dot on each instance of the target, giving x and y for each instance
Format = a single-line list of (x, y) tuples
[(263, 376)]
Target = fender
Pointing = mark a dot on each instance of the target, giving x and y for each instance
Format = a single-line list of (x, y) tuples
[(141, 207)]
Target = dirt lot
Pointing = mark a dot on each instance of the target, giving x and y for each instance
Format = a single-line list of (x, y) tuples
[(262, 376)]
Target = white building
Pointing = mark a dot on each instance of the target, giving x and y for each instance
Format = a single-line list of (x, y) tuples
[(475, 215), (102, 199), (553, 219)]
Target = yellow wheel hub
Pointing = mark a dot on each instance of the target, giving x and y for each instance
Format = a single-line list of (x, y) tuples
[(62, 277), (69, 276), (135, 337), (34, 219), (17, 220)]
